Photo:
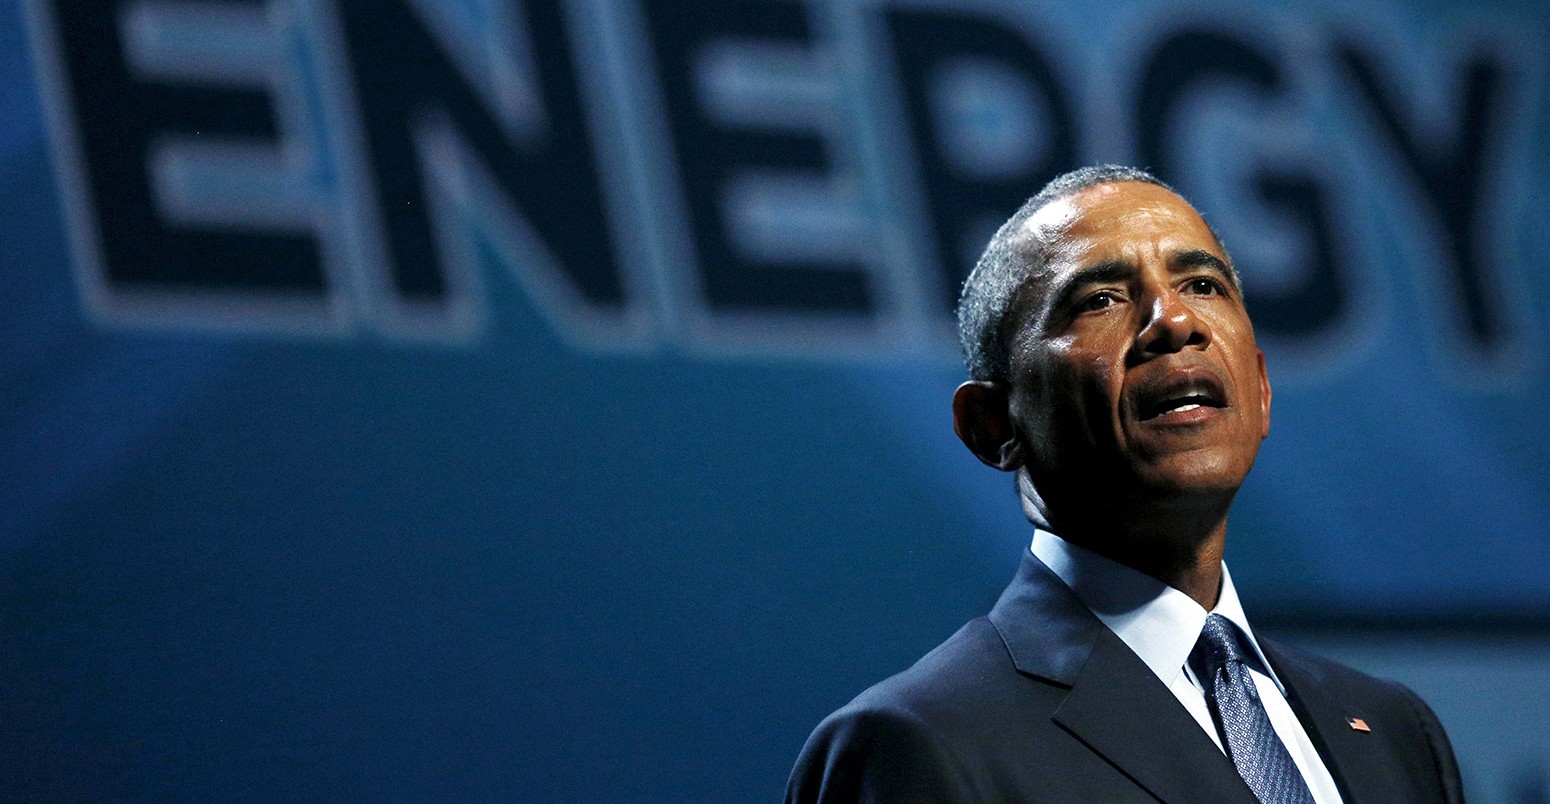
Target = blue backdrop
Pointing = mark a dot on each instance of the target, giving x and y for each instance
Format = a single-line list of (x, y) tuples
[(548, 401)]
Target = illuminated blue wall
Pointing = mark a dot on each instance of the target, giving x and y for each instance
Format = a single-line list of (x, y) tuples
[(548, 401)]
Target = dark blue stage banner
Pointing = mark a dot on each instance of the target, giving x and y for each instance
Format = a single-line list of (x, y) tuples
[(548, 400)]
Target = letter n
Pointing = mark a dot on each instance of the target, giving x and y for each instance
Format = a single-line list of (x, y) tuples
[(531, 193)]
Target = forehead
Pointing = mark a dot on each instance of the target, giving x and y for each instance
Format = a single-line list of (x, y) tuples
[(1118, 220)]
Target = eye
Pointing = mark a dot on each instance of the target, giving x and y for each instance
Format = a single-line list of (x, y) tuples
[(1100, 300), (1204, 286)]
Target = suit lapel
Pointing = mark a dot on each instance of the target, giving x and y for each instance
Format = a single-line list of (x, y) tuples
[(1347, 753), (1123, 712), (1116, 707)]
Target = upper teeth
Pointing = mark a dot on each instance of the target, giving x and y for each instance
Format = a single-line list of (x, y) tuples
[(1185, 403)]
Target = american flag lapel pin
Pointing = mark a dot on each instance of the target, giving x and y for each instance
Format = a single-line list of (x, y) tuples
[(1357, 724)]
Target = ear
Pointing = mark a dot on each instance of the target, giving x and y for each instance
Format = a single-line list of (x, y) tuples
[(982, 418), (1264, 396)]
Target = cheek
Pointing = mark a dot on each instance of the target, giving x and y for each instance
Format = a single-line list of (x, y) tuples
[(1080, 410), (1250, 410), (1068, 390), (1061, 383), (1036, 400), (1095, 384)]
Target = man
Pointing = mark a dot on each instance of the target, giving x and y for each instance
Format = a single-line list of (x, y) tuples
[(1115, 372)]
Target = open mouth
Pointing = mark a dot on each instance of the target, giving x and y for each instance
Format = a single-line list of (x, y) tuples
[(1181, 392)]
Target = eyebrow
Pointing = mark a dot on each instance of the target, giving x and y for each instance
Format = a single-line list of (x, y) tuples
[(1199, 258)]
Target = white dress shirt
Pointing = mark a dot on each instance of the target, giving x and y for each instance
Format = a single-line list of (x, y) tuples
[(1161, 624)]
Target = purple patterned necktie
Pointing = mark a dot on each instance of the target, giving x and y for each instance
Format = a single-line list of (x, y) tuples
[(1260, 756)]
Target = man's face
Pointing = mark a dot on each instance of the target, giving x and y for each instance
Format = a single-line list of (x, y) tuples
[(1134, 367)]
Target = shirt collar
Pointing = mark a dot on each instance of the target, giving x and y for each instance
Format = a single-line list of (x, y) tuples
[(1158, 622)]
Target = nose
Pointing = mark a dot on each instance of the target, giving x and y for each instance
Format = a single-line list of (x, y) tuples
[(1171, 326)]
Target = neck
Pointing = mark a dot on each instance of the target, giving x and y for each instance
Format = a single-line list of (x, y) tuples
[(1178, 544), (1191, 564)]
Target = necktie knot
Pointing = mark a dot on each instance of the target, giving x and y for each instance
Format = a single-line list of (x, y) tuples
[(1218, 643)]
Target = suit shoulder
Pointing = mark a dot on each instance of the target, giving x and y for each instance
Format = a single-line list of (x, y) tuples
[(970, 667), (1331, 674), (890, 743), (924, 734), (1351, 686)]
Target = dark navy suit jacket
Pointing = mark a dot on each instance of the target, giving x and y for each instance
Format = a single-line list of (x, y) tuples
[(1041, 702)]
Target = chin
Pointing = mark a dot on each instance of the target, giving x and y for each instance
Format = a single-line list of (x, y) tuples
[(1189, 475)]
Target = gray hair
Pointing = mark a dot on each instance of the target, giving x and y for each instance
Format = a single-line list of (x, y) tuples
[(990, 292)]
